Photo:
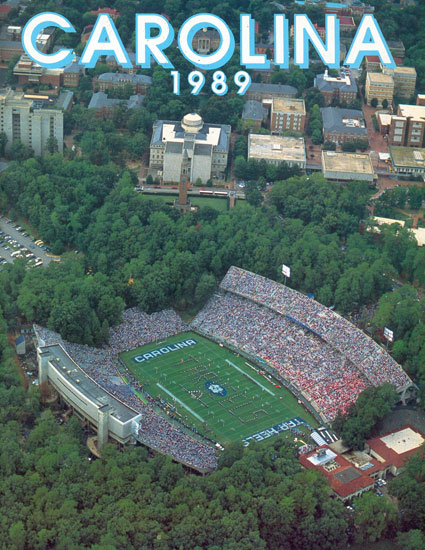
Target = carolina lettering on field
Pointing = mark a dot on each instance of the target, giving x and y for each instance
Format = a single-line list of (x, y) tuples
[(164, 350)]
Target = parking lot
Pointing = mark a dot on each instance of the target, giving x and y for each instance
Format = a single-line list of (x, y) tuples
[(15, 242)]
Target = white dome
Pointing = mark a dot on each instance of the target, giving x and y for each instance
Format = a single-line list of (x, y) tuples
[(192, 123)]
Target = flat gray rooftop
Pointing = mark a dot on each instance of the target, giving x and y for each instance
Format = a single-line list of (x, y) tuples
[(74, 374)]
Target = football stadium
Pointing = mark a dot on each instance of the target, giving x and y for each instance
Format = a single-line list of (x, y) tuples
[(259, 360), (215, 391)]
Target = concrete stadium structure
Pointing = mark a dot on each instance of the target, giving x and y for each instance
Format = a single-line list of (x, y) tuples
[(108, 416)]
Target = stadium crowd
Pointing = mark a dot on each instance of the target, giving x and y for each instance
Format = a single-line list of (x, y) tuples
[(136, 329), (377, 365), (321, 354)]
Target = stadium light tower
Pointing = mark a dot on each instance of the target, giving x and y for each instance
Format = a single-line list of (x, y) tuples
[(286, 271)]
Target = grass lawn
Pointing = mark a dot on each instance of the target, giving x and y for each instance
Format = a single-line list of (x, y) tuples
[(214, 390), (213, 202)]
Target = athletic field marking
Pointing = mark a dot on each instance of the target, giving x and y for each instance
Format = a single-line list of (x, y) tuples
[(180, 402), (250, 377)]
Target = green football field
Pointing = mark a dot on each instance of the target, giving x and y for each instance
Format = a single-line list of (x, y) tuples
[(214, 390)]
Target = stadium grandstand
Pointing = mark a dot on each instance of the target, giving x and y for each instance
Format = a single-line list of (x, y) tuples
[(92, 379), (324, 360), (325, 357)]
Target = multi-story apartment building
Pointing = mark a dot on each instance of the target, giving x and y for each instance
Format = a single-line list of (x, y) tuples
[(26, 120), (404, 80), (379, 86), (287, 114), (407, 126)]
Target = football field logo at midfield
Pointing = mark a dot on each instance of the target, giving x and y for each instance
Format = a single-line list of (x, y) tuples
[(215, 388)]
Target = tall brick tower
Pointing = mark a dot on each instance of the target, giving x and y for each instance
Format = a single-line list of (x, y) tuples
[(183, 204)]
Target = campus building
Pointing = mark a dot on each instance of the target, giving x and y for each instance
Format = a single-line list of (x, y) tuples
[(11, 43), (373, 64), (112, 63), (190, 148), (254, 112), (287, 114), (277, 149), (321, 31), (346, 24), (105, 414), (206, 40), (31, 121), (393, 449), (379, 86), (350, 473), (138, 82), (259, 91), (105, 106), (345, 478), (29, 72), (347, 166), (407, 126), (407, 160), (404, 79), (397, 48), (338, 88), (341, 125)]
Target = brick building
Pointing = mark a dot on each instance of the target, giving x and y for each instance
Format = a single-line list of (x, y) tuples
[(29, 72), (104, 106), (340, 88), (321, 31), (4, 11), (287, 114), (392, 449), (254, 112), (407, 126), (139, 83), (112, 63), (260, 91), (350, 473), (113, 13), (342, 125), (346, 24)]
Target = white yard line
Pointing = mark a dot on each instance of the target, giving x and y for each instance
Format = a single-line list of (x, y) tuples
[(180, 402), (250, 377)]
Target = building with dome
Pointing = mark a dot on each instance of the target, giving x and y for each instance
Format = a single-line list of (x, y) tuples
[(190, 148)]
